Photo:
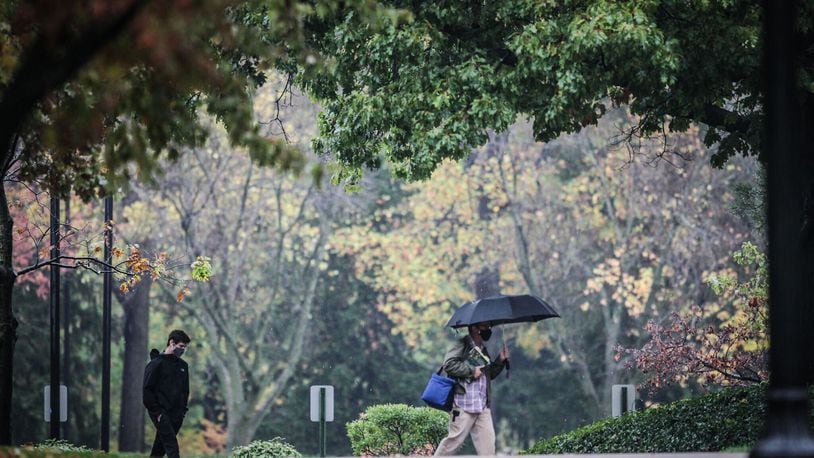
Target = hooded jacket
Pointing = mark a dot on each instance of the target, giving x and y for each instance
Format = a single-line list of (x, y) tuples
[(460, 363), (166, 385)]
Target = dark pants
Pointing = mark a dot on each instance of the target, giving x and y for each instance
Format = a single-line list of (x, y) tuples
[(165, 440)]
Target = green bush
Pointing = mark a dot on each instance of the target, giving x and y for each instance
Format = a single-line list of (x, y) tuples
[(390, 429), (712, 422), (275, 448)]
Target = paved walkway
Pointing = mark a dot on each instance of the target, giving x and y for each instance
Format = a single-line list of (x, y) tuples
[(641, 455)]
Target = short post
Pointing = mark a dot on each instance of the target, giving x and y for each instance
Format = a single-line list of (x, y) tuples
[(61, 406), (623, 399), (322, 411)]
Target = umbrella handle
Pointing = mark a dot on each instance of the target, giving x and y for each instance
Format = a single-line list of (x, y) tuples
[(506, 362)]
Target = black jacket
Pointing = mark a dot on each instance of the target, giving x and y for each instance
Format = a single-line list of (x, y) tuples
[(166, 385)]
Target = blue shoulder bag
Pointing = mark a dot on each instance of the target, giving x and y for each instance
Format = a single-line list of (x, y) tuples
[(439, 391)]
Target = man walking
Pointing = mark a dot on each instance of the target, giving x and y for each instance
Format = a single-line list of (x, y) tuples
[(469, 362), (166, 392)]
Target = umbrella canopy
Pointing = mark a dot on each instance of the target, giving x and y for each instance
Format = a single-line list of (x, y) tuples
[(501, 310)]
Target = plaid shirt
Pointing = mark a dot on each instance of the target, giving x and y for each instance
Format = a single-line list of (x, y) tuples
[(474, 400)]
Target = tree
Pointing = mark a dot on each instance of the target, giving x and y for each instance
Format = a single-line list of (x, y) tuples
[(129, 77)]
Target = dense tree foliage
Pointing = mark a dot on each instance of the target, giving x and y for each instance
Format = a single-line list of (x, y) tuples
[(461, 69)]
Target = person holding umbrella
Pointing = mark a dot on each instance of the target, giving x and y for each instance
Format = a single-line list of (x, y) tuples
[(470, 363)]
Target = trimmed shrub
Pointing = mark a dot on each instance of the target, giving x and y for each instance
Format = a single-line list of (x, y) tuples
[(716, 421), (275, 448), (391, 429)]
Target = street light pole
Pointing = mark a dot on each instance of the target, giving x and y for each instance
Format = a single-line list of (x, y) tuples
[(787, 432), (66, 319), (106, 312), (54, 286)]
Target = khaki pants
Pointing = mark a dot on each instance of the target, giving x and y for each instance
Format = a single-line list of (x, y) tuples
[(478, 425)]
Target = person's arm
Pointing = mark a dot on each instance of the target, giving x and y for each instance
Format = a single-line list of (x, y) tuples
[(455, 363), (497, 365), (495, 368), (186, 391), (149, 395)]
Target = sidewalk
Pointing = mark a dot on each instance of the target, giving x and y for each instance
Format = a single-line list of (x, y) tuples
[(642, 455)]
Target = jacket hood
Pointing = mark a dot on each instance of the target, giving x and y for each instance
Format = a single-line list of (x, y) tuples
[(154, 353)]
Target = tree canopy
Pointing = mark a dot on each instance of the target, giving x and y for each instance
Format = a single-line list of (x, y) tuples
[(418, 92)]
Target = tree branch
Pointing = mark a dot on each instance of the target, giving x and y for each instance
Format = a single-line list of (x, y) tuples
[(55, 262), (724, 119)]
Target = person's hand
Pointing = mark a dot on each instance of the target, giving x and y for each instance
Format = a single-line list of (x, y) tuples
[(504, 354), (478, 372)]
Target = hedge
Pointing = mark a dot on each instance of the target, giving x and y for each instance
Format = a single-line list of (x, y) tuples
[(397, 429), (712, 422)]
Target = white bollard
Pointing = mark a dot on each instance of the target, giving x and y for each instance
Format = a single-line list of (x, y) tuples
[(623, 399)]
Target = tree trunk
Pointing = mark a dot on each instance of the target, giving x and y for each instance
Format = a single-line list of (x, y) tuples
[(240, 432), (236, 404), (8, 324), (136, 325)]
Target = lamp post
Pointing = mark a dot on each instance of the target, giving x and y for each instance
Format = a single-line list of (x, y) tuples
[(54, 294), (787, 432), (66, 319), (106, 305)]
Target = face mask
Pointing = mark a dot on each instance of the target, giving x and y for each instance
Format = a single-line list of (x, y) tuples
[(178, 351), (485, 334)]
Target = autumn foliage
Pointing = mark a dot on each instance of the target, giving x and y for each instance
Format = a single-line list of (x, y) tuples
[(81, 245), (714, 345)]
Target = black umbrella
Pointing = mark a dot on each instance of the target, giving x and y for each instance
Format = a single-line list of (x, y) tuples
[(501, 309)]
